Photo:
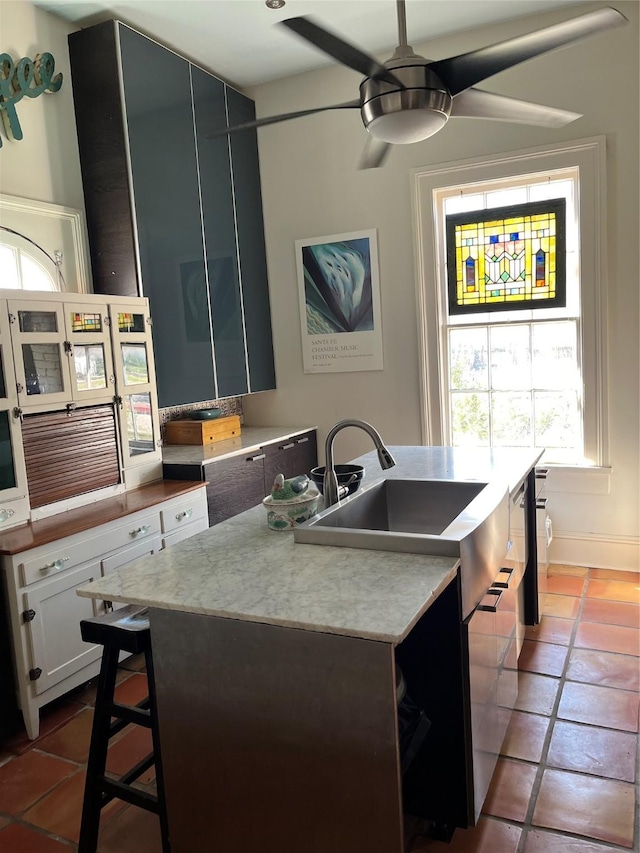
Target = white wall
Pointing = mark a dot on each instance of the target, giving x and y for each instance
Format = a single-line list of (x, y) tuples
[(311, 187), (44, 165)]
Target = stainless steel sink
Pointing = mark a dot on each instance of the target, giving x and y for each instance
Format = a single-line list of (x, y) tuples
[(456, 518)]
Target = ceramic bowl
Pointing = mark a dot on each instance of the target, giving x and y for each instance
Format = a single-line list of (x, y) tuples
[(344, 473), (284, 515)]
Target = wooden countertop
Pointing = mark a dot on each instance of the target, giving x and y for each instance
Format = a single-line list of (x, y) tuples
[(46, 530)]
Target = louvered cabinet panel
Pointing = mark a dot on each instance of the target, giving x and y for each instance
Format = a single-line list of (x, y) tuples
[(68, 454)]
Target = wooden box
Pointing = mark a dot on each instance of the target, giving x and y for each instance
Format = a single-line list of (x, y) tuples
[(203, 432)]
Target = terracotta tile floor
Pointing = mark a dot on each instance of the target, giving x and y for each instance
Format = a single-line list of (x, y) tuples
[(567, 779)]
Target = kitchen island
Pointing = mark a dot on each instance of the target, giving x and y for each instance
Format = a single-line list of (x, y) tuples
[(276, 680)]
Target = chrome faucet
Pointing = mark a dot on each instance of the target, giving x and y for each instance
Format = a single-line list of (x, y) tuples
[(330, 482)]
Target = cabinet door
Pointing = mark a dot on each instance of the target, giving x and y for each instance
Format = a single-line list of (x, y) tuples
[(41, 356), (135, 388), (57, 649), (297, 455), (13, 477), (221, 270), (158, 105), (87, 332), (251, 249), (235, 484)]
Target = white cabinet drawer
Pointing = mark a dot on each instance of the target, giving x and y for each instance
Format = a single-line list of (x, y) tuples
[(184, 512), (43, 562), (128, 555), (185, 532)]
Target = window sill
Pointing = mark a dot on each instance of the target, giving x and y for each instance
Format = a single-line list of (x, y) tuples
[(578, 479)]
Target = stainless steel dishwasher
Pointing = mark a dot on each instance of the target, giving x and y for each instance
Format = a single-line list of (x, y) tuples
[(493, 676)]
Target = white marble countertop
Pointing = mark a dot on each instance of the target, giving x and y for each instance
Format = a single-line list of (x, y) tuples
[(508, 464), (242, 570), (251, 438)]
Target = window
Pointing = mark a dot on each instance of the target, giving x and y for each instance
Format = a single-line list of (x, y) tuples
[(526, 374), (24, 266)]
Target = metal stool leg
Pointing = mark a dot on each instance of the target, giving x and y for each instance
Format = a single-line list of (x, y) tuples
[(97, 762)]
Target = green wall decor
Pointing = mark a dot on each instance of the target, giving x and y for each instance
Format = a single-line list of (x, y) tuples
[(26, 78)]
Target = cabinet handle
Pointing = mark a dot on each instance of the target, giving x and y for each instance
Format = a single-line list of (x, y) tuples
[(287, 446), (255, 458), (503, 584), (145, 528), (302, 440), (56, 565), (492, 608), (541, 473), (541, 503), (187, 513)]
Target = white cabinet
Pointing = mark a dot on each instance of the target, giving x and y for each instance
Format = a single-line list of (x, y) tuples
[(14, 504), (75, 355), (52, 613), (49, 655), (43, 376), (135, 383)]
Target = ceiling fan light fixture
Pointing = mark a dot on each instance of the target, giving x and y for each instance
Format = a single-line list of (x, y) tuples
[(403, 128)]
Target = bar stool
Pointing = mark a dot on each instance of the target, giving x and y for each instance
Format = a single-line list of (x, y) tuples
[(126, 629)]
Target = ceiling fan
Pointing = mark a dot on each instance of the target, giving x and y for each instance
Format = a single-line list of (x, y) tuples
[(409, 98)]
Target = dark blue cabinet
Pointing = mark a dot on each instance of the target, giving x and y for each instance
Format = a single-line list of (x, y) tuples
[(186, 228)]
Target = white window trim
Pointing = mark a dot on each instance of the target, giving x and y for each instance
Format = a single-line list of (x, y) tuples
[(590, 156)]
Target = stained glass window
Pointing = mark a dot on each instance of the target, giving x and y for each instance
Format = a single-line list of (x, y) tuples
[(507, 258), (81, 322), (130, 322)]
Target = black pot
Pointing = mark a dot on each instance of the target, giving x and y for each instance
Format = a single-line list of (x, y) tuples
[(344, 474)]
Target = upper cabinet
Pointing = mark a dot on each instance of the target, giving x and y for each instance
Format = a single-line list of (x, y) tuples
[(134, 370), (14, 505), (62, 352), (173, 212), (78, 403)]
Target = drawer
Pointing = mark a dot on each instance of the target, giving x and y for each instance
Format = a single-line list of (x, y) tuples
[(128, 555), (42, 563), (184, 512), (185, 532)]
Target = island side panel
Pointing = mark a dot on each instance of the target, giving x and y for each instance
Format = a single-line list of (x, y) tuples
[(276, 739)]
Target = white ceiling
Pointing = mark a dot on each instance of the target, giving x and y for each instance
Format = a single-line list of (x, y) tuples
[(237, 39)]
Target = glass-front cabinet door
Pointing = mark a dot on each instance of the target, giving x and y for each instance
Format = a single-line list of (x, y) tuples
[(13, 477), (135, 383), (41, 353), (89, 350)]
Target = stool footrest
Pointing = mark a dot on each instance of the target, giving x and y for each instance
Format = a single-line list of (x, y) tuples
[(130, 714), (142, 799), (118, 725), (131, 775)]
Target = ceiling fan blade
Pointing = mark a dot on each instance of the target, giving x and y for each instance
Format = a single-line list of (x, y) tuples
[(340, 50), (261, 122), (461, 72), (374, 153), (476, 103)]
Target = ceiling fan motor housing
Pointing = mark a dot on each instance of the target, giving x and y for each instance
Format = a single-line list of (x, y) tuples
[(406, 115)]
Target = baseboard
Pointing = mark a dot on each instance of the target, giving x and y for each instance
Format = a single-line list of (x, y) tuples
[(595, 551)]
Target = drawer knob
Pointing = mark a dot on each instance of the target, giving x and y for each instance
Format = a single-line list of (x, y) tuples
[(143, 529), (187, 513), (56, 565)]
